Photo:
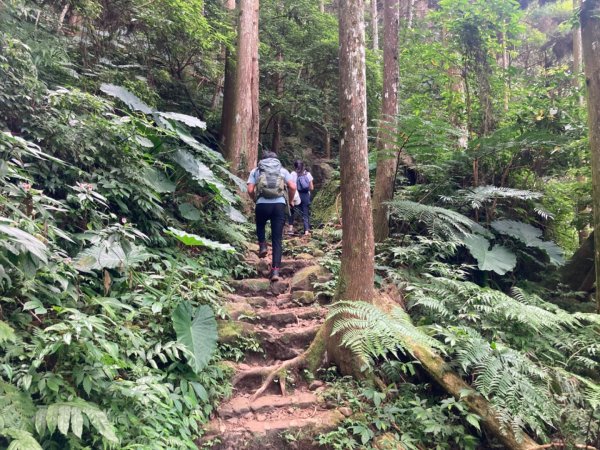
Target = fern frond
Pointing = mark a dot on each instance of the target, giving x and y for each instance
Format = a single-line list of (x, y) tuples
[(372, 333), (440, 222)]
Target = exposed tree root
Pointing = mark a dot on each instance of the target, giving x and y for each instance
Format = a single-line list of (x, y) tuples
[(311, 359)]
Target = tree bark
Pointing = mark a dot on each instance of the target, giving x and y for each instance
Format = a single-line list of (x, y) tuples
[(386, 156), (577, 54), (276, 140), (254, 86), (322, 6), (228, 92), (242, 142), (357, 270), (375, 24), (590, 32)]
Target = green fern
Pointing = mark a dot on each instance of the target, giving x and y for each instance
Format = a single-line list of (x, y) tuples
[(66, 416), (20, 439), (372, 333), (440, 222)]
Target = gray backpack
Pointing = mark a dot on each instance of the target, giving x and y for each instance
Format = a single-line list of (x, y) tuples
[(271, 183)]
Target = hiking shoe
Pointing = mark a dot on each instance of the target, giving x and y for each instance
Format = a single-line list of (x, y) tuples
[(275, 274), (262, 249)]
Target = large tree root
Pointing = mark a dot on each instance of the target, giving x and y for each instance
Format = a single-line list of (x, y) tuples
[(310, 359)]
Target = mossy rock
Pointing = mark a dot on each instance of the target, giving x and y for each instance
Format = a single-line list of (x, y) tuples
[(238, 309), (325, 207), (304, 279), (252, 286), (303, 297), (231, 330)]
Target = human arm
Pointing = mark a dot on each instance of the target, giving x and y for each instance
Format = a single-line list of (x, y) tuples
[(291, 190), (251, 183)]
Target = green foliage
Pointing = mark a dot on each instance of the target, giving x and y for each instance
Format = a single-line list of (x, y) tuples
[(94, 343), (408, 414), (197, 331)]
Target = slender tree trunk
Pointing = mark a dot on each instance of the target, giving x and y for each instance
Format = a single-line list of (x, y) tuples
[(357, 271), (375, 24), (228, 92), (276, 141), (410, 13), (254, 86), (322, 6), (505, 65), (590, 32), (577, 54), (386, 153), (242, 141)]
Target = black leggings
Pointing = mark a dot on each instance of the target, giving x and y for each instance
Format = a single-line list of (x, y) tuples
[(276, 213)]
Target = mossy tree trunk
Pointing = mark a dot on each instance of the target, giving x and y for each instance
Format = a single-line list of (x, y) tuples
[(590, 33), (387, 158)]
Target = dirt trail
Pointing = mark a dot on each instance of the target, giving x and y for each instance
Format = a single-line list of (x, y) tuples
[(284, 316)]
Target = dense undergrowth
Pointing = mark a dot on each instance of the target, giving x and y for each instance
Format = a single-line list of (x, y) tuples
[(112, 253)]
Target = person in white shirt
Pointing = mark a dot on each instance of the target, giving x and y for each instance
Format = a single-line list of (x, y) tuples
[(304, 184)]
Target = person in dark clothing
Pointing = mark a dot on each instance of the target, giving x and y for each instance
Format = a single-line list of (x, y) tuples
[(271, 187), (304, 185)]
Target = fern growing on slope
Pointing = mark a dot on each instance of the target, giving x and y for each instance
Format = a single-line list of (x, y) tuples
[(371, 333)]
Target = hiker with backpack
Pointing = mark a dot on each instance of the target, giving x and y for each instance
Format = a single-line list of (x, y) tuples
[(273, 189), (304, 186)]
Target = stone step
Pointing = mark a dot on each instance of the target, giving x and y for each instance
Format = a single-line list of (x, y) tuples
[(277, 318), (289, 342), (266, 431), (252, 287), (239, 406), (288, 266)]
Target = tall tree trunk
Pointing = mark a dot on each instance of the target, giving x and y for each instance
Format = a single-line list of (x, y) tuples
[(590, 32), (254, 86), (410, 13), (505, 66), (228, 92), (322, 6), (387, 160), (357, 270), (242, 142), (577, 53), (276, 141), (375, 24)]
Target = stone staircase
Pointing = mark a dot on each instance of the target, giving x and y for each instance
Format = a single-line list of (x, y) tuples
[(284, 316)]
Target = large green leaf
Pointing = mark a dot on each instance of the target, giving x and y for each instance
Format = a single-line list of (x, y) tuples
[(109, 254), (201, 172), (189, 211), (497, 259), (190, 121), (197, 331), (126, 97), (158, 181), (530, 236), (25, 241), (195, 240)]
